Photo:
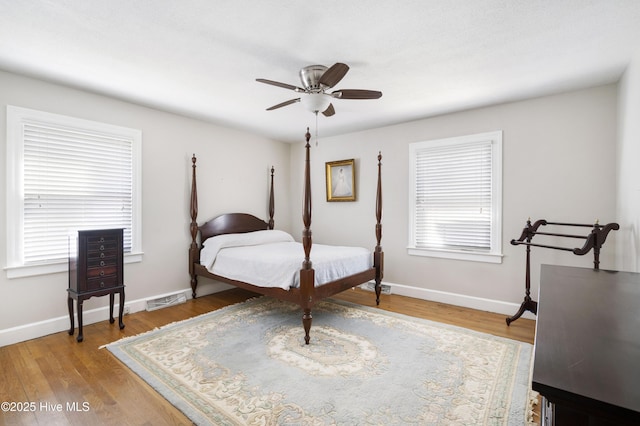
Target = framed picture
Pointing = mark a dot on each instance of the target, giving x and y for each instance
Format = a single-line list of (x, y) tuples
[(341, 180)]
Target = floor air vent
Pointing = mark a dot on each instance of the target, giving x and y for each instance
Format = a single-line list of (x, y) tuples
[(386, 289), (163, 302)]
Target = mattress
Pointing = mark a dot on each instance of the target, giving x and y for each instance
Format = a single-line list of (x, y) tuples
[(272, 258)]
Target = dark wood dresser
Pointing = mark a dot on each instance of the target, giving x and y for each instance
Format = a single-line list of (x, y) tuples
[(587, 349), (95, 269)]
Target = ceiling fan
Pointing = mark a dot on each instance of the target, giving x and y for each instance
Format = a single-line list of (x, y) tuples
[(316, 80)]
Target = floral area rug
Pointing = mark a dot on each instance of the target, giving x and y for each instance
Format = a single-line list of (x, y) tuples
[(247, 364)]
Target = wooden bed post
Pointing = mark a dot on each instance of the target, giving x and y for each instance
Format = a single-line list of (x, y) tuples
[(307, 274), (271, 201), (194, 251), (378, 256)]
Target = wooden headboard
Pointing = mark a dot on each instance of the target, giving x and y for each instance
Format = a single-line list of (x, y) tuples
[(231, 223)]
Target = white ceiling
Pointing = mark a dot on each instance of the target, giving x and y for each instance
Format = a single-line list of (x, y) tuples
[(201, 57)]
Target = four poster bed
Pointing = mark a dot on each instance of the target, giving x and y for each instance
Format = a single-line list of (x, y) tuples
[(245, 251)]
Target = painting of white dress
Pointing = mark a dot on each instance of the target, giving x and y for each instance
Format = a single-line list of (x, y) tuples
[(341, 181)]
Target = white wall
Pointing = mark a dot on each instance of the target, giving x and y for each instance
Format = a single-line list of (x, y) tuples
[(628, 171), (559, 164), (232, 176)]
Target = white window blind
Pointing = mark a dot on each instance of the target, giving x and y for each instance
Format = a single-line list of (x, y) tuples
[(73, 180), (456, 195), (66, 174), (453, 197)]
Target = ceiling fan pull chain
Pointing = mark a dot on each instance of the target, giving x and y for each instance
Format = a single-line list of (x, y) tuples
[(316, 128)]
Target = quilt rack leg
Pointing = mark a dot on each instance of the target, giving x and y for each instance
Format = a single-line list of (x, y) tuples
[(527, 304)]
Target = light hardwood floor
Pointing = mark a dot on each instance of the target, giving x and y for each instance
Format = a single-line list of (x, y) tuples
[(51, 376)]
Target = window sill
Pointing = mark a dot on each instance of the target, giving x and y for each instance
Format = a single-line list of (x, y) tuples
[(56, 267), (457, 255)]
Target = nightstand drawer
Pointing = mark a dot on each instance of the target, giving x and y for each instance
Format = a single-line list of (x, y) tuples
[(109, 248), (101, 261), (102, 283), (102, 271), (107, 237)]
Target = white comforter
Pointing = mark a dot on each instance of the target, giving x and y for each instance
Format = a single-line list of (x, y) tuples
[(273, 259)]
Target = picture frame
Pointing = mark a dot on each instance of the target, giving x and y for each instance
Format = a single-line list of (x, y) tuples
[(341, 180)]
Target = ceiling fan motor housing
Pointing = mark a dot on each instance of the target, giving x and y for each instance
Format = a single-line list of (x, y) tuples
[(310, 77)]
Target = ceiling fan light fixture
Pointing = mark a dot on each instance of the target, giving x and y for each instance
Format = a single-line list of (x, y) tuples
[(316, 102)]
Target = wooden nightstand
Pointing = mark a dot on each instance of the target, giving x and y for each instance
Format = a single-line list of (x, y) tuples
[(95, 269)]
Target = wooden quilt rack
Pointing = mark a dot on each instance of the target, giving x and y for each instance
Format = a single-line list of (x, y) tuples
[(594, 240)]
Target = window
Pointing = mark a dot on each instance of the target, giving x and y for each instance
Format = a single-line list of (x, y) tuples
[(65, 174), (456, 198)]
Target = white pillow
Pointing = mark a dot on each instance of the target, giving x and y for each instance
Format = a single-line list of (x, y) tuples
[(213, 245)]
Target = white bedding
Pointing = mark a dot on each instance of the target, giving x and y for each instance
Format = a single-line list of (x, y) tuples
[(273, 259)]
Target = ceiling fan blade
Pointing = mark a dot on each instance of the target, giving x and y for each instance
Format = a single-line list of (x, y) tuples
[(283, 104), (329, 111), (283, 85), (356, 94), (334, 74)]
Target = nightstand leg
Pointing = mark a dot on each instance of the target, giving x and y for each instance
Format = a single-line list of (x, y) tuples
[(80, 336), (111, 320), (70, 304), (121, 313)]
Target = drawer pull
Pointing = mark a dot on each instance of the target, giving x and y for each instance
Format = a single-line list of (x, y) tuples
[(101, 284), (102, 239), (101, 255), (101, 247), (102, 273), (102, 263)]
